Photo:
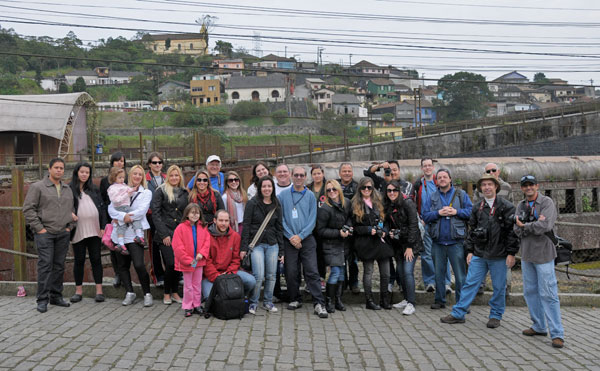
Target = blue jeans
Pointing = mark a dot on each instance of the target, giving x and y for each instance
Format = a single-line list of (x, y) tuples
[(264, 266), (247, 279), (427, 269), (405, 271), (441, 254), (336, 274), (476, 274), (540, 290)]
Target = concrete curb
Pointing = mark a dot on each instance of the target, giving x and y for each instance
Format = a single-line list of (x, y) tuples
[(10, 288)]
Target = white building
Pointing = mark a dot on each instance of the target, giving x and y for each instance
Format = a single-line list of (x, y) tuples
[(270, 88)]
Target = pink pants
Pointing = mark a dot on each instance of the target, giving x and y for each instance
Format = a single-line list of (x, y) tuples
[(192, 288)]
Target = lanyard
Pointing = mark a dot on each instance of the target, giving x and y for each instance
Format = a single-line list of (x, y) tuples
[(492, 210), (195, 241), (300, 199)]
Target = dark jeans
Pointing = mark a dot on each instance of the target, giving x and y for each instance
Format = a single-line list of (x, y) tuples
[(171, 275), (321, 265), (157, 270), (405, 273), (52, 250), (384, 274), (136, 255), (307, 255), (93, 245)]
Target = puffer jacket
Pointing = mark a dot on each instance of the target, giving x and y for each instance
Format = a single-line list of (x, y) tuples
[(498, 228), (224, 253), (330, 219), (183, 246), (402, 216), (167, 215), (366, 245)]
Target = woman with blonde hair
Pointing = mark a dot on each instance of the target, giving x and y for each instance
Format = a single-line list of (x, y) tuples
[(168, 202), (235, 199), (367, 219), (203, 194)]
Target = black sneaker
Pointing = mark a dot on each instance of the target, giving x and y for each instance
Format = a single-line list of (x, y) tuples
[(438, 306), (294, 305)]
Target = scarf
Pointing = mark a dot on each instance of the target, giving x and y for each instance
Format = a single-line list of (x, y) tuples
[(203, 201), (232, 198)]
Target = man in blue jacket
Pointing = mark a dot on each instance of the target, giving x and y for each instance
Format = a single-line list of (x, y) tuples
[(446, 222), (299, 207)]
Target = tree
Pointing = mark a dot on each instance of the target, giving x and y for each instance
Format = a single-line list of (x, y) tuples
[(540, 78), (388, 117), (464, 96), (224, 48), (279, 117), (63, 88), (246, 109), (79, 85)]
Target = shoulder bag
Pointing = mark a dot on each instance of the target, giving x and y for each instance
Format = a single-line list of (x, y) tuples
[(247, 261)]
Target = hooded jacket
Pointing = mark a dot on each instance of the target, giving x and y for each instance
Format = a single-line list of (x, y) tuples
[(224, 253), (183, 246)]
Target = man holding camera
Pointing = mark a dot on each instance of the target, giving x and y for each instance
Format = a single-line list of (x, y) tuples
[(391, 171), (534, 220), (491, 246)]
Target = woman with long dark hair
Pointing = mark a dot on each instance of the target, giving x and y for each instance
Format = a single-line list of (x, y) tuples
[(234, 200), (91, 219), (404, 235), (367, 219), (259, 170)]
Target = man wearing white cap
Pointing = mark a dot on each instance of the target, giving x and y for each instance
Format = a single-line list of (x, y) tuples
[(217, 178)]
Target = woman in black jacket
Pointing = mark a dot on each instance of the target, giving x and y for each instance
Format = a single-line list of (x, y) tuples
[(270, 244), (91, 219), (332, 227), (404, 235), (369, 245), (203, 194), (168, 203)]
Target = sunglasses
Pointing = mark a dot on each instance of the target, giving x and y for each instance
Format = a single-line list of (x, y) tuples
[(392, 190), (156, 162), (299, 175), (202, 180), (368, 188), (528, 178), (232, 180), (329, 190), (491, 171)]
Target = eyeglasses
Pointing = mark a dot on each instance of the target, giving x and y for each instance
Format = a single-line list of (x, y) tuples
[(394, 190), (156, 162), (202, 180), (368, 188), (299, 175), (329, 190), (489, 171), (232, 180)]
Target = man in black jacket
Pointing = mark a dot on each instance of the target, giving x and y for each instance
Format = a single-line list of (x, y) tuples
[(491, 245)]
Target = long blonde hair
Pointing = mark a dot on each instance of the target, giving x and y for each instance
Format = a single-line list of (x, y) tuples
[(358, 203), (140, 168), (194, 192), (334, 183), (167, 187), (240, 187)]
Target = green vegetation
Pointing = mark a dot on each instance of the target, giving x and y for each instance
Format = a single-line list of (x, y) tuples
[(192, 116), (465, 95), (10, 85), (245, 110), (280, 117)]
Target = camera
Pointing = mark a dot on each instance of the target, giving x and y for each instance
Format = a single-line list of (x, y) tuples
[(395, 234), (387, 171), (480, 235), (524, 217), (348, 229)]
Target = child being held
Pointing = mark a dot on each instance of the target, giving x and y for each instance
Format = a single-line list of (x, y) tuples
[(119, 194)]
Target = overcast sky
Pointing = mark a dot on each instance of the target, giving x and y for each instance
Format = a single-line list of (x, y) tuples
[(387, 32)]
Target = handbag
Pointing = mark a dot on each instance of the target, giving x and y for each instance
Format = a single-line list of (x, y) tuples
[(106, 240), (247, 261)]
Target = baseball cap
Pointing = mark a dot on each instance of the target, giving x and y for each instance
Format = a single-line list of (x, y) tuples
[(212, 158), (528, 179)]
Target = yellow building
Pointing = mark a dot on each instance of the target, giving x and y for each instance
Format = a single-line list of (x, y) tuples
[(387, 130), (182, 43), (205, 90)]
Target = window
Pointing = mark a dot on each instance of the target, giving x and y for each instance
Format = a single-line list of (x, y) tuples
[(154, 47), (178, 46), (235, 95), (328, 105), (211, 88), (201, 100), (255, 96), (191, 46), (207, 100), (216, 99), (194, 101), (328, 95), (275, 94)]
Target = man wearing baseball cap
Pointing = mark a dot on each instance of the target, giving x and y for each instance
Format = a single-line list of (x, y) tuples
[(217, 178), (491, 246), (534, 219)]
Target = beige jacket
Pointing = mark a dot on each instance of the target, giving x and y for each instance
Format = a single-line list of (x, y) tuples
[(43, 208)]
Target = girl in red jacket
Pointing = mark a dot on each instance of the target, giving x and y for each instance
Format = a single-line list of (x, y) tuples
[(191, 243)]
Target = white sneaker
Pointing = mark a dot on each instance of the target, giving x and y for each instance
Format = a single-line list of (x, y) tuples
[(148, 300), (252, 308), (448, 290), (321, 311), (270, 307), (129, 298), (410, 309), (400, 305), (430, 288)]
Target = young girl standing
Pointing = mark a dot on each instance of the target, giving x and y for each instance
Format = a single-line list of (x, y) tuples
[(191, 243)]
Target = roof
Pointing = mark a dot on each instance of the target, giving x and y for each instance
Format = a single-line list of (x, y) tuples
[(82, 73), (557, 87), (229, 61), (424, 103), (175, 36), (364, 63), (314, 80), (182, 84), (401, 87), (386, 105), (46, 114), (514, 75), (345, 99), (124, 73), (276, 58), (275, 80), (380, 81)]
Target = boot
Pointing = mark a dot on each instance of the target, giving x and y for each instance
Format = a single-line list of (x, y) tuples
[(384, 300), (339, 289), (330, 297), (370, 303)]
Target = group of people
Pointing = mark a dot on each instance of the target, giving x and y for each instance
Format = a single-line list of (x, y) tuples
[(319, 230)]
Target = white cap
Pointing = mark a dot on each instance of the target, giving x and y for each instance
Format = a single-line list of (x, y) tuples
[(212, 158)]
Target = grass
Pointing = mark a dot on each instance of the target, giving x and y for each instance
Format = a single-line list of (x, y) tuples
[(112, 141), (135, 119)]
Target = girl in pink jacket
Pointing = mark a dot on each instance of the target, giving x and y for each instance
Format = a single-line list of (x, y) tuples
[(191, 243)]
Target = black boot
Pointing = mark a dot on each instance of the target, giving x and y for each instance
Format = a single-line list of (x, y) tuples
[(384, 300), (330, 297), (339, 289), (370, 303)]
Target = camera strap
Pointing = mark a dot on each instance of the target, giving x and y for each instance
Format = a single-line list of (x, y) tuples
[(492, 210)]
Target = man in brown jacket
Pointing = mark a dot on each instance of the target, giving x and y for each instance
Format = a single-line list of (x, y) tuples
[(48, 210)]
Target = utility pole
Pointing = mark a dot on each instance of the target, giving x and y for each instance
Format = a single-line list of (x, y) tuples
[(420, 112), (350, 59), (285, 51), (415, 110)]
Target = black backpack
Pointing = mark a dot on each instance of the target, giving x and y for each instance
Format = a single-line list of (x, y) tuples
[(226, 299)]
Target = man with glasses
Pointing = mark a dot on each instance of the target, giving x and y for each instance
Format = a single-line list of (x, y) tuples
[(299, 207), (534, 221)]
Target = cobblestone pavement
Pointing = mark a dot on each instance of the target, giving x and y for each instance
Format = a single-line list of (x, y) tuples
[(109, 336)]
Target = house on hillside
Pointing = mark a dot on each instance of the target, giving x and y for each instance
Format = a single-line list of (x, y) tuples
[(404, 112), (205, 90), (348, 104), (125, 106), (101, 76), (506, 81), (57, 121), (271, 88), (181, 43), (279, 62), (322, 99), (227, 65), (173, 95), (561, 93), (367, 68), (380, 88), (314, 83)]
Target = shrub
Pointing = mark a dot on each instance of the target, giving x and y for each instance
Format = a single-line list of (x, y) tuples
[(244, 110), (280, 117)]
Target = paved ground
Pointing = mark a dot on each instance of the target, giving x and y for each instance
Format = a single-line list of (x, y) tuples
[(109, 336)]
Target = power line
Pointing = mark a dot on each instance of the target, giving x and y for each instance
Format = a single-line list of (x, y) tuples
[(489, 6)]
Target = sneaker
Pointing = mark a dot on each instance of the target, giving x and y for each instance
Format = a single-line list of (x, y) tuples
[(252, 308), (160, 283), (493, 323), (448, 290), (188, 313), (295, 305), (451, 319), (129, 298), (410, 309), (438, 306), (270, 307), (430, 288), (321, 311), (148, 300), (400, 305), (140, 241)]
